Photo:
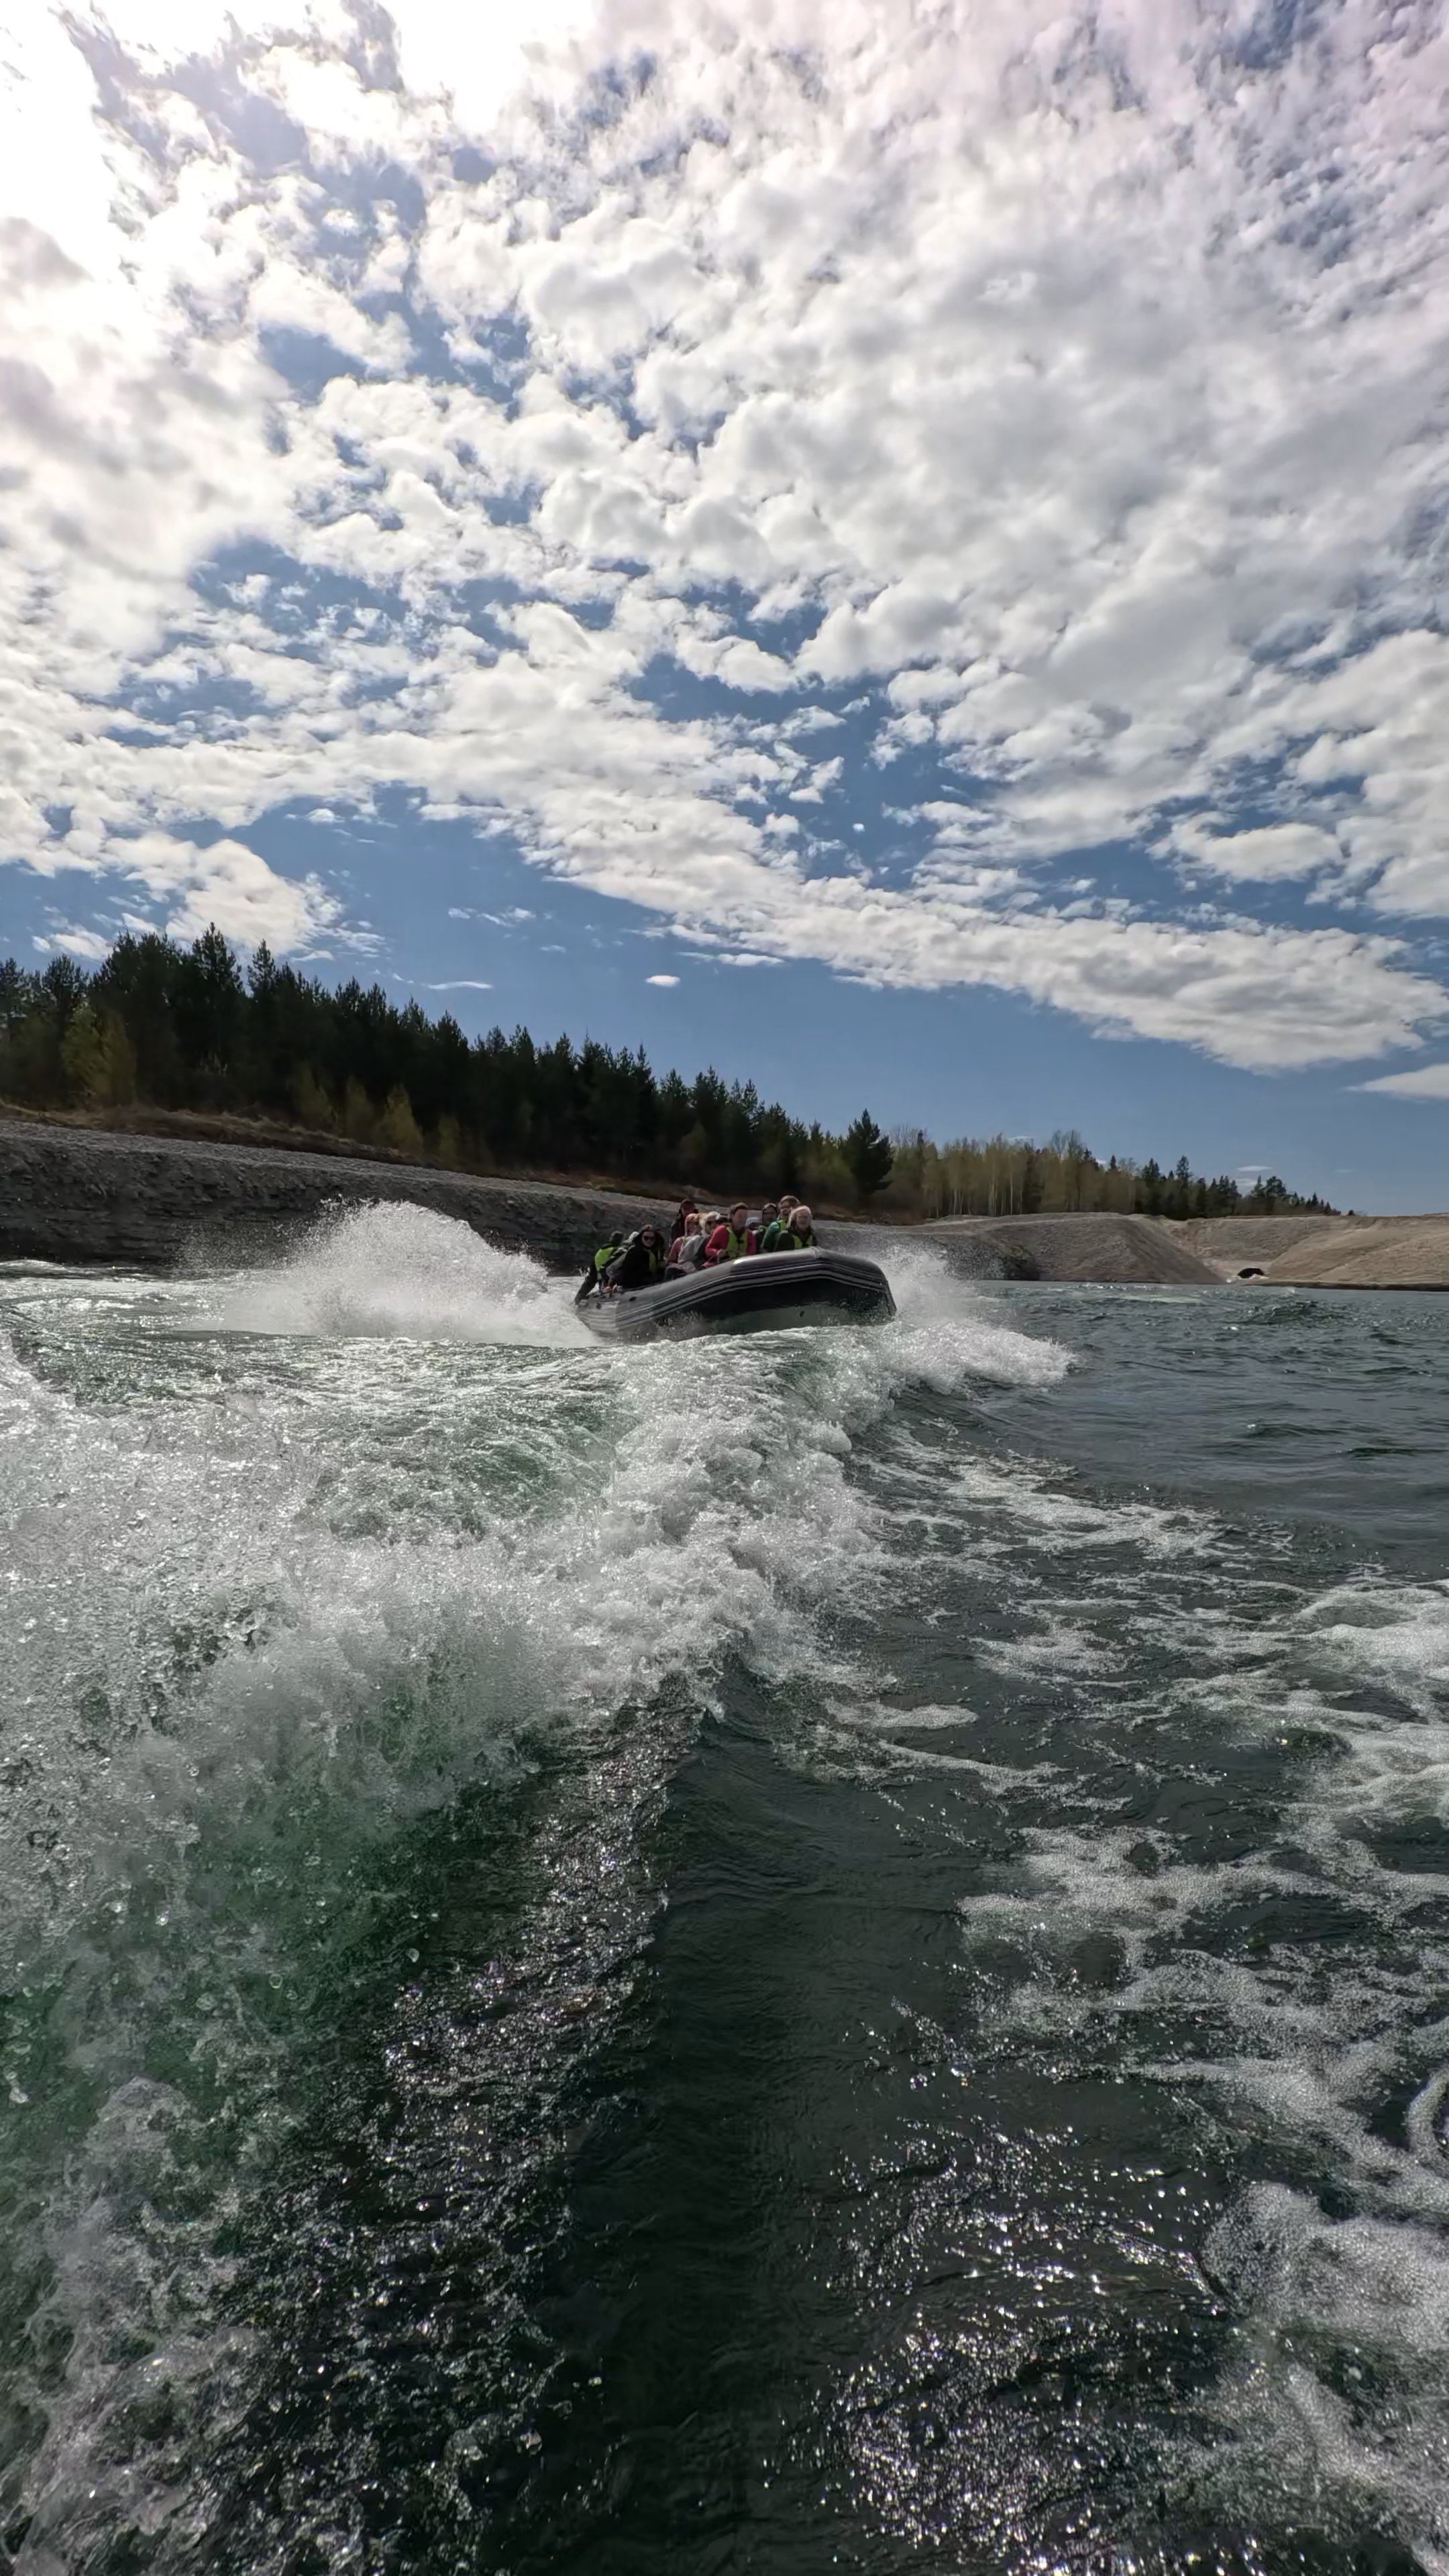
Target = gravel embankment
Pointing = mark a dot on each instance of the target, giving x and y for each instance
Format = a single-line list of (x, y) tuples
[(1125, 1250), (82, 1194), (1326, 1251), (87, 1194), (1287, 1251)]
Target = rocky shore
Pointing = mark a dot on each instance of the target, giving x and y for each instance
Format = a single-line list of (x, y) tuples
[(84, 1194)]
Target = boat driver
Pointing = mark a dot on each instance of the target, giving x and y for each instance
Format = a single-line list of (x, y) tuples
[(593, 1278), (639, 1264)]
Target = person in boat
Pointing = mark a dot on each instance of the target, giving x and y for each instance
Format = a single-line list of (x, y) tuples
[(711, 1218), (593, 1277), (795, 1233), (686, 1208), (687, 1250), (762, 1223), (639, 1265), (732, 1238)]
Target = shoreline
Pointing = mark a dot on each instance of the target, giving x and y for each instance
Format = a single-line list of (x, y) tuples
[(1294, 1251), (77, 1193), (88, 1195)]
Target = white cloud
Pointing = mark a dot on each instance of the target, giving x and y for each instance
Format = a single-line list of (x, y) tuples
[(669, 981), (1275, 850), (90, 945), (1429, 1082), (225, 883), (478, 57), (1076, 378)]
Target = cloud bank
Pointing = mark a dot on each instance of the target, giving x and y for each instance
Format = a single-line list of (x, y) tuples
[(670, 438)]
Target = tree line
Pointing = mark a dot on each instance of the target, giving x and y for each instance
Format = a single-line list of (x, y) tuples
[(162, 1026), (1007, 1176)]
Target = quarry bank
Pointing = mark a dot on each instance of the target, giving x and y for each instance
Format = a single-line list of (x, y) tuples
[(87, 1195)]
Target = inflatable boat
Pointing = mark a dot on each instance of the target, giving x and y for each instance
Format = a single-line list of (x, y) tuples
[(761, 1292)]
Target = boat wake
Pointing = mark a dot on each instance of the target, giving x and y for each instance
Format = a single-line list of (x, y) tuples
[(457, 1777)]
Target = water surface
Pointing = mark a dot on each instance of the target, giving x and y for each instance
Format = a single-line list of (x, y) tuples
[(821, 1952)]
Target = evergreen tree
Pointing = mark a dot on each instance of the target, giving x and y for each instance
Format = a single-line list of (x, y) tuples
[(1177, 1190), (63, 989), (208, 1006), (182, 1027), (138, 981), (868, 1156)]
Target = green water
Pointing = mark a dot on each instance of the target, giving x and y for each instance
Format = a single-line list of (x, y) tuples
[(821, 1952)]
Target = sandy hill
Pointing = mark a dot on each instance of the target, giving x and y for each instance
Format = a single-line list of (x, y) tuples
[(1324, 1251), (1125, 1250), (1296, 1251)]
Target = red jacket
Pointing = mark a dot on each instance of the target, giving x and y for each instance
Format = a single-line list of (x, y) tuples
[(725, 1246)]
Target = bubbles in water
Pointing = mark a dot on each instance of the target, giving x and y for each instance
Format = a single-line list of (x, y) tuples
[(1386, 1634), (1296, 1984), (1341, 2392)]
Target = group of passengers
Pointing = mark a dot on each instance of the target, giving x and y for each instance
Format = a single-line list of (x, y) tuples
[(697, 1242)]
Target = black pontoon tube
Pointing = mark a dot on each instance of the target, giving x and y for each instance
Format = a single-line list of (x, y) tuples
[(761, 1292)]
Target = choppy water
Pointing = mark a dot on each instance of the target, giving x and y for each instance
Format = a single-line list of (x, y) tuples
[(826, 1952)]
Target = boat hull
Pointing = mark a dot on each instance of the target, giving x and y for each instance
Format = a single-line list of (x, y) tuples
[(764, 1292)]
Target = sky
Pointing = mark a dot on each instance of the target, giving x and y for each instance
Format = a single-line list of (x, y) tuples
[(894, 548)]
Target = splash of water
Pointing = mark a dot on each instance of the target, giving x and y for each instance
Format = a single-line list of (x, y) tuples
[(394, 1269)]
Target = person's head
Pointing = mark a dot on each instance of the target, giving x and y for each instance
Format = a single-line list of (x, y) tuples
[(692, 1221), (800, 1217), (787, 1201), (649, 1234), (739, 1216), (688, 1208), (770, 1209)]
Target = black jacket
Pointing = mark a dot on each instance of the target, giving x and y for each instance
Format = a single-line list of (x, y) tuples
[(638, 1265)]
